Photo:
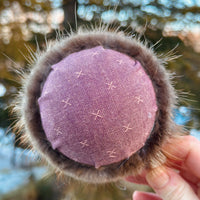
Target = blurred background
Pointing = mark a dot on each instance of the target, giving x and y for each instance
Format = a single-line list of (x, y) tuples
[(175, 23)]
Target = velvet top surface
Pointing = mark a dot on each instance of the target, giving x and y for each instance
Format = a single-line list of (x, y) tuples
[(97, 106)]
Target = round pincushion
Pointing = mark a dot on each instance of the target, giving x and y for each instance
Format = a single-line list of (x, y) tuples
[(97, 106)]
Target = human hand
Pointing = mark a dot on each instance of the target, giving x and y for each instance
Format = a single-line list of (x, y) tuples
[(180, 179)]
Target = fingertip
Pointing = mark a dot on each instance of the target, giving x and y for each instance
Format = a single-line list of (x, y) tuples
[(135, 195), (171, 187)]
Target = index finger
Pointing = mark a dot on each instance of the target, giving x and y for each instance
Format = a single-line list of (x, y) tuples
[(186, 150)]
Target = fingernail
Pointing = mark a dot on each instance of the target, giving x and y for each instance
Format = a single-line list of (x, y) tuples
[(157, 178)]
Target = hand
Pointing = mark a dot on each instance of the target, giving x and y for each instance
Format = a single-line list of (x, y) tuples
[(180, 178)]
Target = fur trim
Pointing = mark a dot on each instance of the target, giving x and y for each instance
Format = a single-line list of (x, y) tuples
[(28, 110)]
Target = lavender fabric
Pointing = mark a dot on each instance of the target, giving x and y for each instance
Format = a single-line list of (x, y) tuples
[(97, 106)]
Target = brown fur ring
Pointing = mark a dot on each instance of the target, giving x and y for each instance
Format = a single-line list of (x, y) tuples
[(149, 156)]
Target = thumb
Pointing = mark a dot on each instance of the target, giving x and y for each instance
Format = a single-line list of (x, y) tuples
[(169, 185)]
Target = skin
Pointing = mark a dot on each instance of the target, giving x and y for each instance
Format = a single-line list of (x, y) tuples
[(179, 178)]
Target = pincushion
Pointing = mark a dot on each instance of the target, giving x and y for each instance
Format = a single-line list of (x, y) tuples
[(97, 106)]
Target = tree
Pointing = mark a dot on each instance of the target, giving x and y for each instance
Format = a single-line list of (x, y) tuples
[(24, 22)]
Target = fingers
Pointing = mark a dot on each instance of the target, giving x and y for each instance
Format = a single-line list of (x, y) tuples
[(145, 196), (189, 176), (183, 154), (169, 185), (186, 151)]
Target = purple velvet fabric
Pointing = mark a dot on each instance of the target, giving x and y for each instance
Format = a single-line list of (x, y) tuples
[(97, 106)]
